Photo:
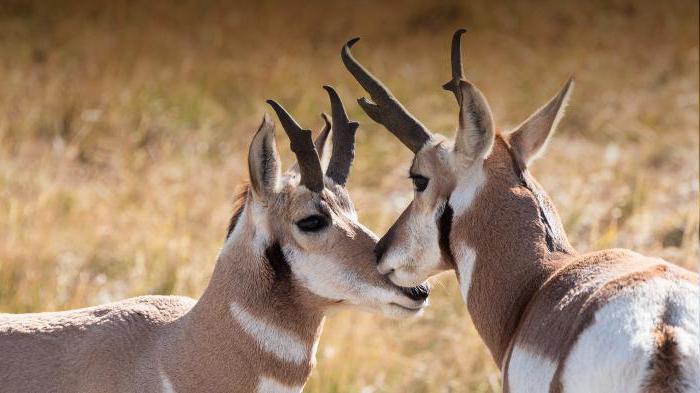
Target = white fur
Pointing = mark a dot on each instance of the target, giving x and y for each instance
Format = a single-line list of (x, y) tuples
[(470, 181), (416, 258), (331, 280), (468, 186), (254, 212), (166, 384), (465, 257), (270, 385), (529, 372), (279, 342), (686, 307), (613, 354)]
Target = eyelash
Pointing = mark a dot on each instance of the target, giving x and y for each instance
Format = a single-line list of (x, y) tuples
[(420, 183)]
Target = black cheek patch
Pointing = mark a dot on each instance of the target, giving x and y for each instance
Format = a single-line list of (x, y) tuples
[(444, 229), (280, 266)]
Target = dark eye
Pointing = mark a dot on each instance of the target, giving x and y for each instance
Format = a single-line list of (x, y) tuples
[(420, 182), (312, 223)]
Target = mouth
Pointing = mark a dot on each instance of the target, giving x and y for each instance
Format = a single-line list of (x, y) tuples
[(417, 293), (412, 302), (411, 309)]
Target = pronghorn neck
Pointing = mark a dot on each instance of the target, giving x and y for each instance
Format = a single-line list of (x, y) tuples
[(247, 327), (506, 244)]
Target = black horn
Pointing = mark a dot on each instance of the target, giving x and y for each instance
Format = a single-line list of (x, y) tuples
[(457, 69), (303, 147), (343, 140), (384, 108)]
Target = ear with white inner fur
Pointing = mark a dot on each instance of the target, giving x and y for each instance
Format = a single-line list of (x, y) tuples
[(530, 138), (263, 160), (476, 133)]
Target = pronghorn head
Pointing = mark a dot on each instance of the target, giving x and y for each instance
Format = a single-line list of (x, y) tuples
[(447, 175), (303, 226)]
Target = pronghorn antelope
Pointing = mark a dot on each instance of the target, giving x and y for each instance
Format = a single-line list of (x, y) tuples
[(294, 249), (553, 319)]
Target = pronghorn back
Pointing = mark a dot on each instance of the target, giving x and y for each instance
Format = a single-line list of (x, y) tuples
[(95, 349)]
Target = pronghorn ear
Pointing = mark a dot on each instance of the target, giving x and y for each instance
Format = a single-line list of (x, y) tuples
[(263, 160), (476, 133), (530, 138)]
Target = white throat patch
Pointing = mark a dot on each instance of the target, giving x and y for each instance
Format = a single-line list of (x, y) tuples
[(469, 184), (165, 383), (270, 385), (465, 258), (282, 344)]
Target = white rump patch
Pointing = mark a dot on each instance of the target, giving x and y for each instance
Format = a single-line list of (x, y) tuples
[(529, 372), (270, 385), (465, 257), (279, 342), (166, 384), (613, 354)]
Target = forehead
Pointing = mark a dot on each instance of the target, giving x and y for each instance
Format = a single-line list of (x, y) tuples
[(431, 157), (293, 196)]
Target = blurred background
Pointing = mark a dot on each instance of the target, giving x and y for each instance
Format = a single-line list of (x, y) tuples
[(124, 129)]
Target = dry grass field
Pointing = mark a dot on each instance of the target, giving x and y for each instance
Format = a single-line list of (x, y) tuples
[(124, 130)]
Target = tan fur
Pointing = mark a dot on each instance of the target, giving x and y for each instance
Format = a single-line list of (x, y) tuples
[(503, 228), (524, 284), (258, 321), (665, 372), (518, 280)]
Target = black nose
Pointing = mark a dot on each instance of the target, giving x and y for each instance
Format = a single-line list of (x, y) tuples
[(418, 293)]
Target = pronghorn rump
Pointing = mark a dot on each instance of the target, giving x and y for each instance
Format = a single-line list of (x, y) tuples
[(629, 325)]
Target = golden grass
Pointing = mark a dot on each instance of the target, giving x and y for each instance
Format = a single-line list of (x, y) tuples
[(124, 128)]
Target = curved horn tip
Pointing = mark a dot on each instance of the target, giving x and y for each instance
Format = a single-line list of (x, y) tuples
[(352, 42), (332, 94), (325, 118), (461, 31), (275, 106)]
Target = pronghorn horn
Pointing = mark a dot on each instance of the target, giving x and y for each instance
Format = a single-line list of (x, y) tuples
[(457, 70), (386, 109), (303, 147), (319, 143), (343, 140)]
